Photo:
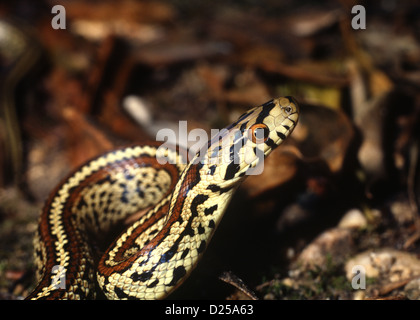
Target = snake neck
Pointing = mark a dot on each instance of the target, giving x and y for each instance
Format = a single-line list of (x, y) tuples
[(203, 195)]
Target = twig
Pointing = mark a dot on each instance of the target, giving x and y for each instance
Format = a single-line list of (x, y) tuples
[(233, 280)]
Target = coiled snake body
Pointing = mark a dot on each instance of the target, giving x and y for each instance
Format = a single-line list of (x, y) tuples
[(157, 252)]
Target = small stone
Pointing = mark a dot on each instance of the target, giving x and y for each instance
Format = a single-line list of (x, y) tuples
[(288, 282), (387, 263), (290, 253), (359, 295), (402, 212), (269, 296), (412, 289), (334, 243), (353, 219)]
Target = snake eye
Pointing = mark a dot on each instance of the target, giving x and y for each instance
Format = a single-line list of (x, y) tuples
[(288, 109), (259, 133)]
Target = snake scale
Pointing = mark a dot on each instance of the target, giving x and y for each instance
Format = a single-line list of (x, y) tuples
[(183, 203)]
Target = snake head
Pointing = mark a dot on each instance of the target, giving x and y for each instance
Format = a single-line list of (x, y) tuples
[(240, 148)]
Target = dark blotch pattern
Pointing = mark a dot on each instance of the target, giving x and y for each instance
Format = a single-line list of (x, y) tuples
[(185, 253), (178, 274), (141, 277), (120, 293), (281, 135), (212, 224), (231, 170), (209, 211), (200, 229), (202, 246), (153, 284)]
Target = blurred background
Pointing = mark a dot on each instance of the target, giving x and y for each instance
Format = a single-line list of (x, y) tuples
[(344, 190)]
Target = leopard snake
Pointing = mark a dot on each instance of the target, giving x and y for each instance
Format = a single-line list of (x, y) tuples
[(154, 255), (182, 204)]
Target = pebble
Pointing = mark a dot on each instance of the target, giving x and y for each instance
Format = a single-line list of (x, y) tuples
[(402, 212), (386, 263), (353, 219), (412, 289), (332, 243), (359, 295)]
